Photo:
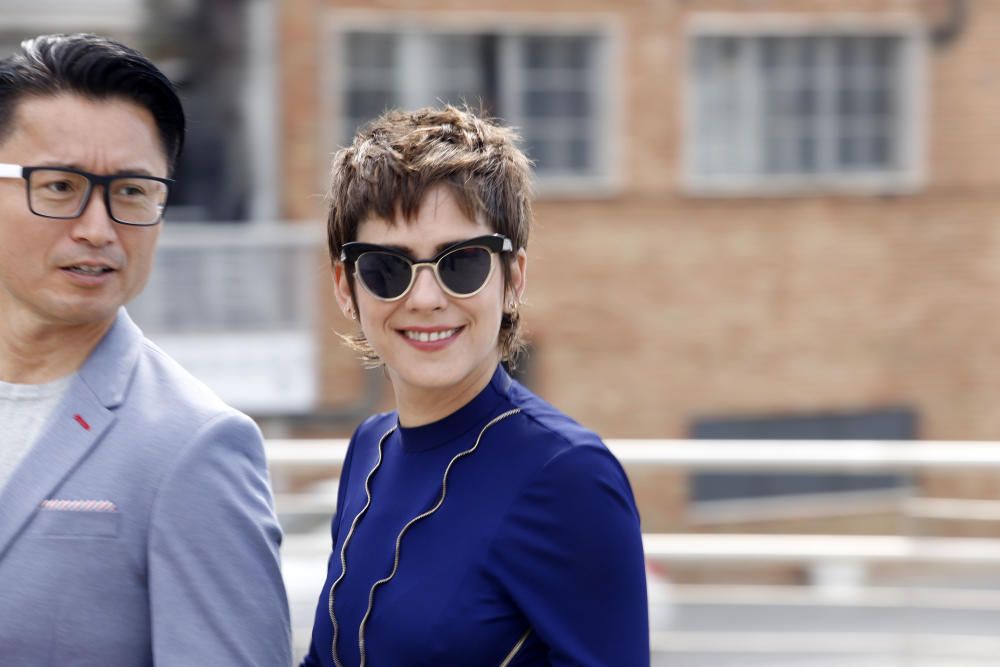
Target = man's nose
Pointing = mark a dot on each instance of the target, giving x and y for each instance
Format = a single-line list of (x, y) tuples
[(94, 225)]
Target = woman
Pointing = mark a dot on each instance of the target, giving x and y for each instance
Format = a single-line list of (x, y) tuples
[(476, 524)]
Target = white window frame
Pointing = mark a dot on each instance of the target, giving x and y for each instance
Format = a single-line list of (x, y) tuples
[(605, 182), (908, 179)]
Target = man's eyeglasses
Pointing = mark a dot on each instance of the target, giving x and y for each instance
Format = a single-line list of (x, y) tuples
[(63, 193), (462, 270)]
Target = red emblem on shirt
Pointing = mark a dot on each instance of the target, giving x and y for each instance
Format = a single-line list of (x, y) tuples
[(81, 421)]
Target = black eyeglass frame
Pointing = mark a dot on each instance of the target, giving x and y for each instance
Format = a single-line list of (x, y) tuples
[(351, 252), (92, 180)]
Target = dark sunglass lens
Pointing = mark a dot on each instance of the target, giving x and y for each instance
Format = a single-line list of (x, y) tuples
[(465, 270), (386, 276)]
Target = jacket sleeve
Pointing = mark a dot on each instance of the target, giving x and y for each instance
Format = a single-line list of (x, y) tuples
[(216, 592), (570, 555)]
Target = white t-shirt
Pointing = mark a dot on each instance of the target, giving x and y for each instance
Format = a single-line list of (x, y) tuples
[(24, 411)]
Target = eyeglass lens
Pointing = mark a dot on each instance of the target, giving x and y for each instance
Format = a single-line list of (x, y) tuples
[(462, 272), (64, 194)]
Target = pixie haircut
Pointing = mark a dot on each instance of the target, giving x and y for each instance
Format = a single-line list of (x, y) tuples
[(399, 157), (93, 67)]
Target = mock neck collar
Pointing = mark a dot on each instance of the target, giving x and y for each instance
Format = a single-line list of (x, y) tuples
[(472, 415)]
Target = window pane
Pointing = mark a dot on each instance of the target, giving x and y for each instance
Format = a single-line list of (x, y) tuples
[(579, 154), (866, 103), (770, 53), (539, 150), (848, 101), (465, 70), (549, 51), (723, 114), (554, 104), (808, 157), (452, 50), (370, 78), (806, 105), (847, 50), (848, 151), (457, 59), (880, 150), (368, 103), (545, 84), (881, 101), (370, 49), (558, 104)]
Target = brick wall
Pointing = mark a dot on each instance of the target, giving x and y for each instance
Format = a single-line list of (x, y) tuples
[(651, 307)]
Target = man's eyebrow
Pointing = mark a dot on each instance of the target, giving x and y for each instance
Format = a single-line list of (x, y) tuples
[(136, 171)]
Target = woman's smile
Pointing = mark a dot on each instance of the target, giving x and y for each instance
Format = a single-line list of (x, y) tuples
[(431, 338), (439, 349)]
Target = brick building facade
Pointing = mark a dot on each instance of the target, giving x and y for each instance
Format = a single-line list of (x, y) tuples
[(658, 295)]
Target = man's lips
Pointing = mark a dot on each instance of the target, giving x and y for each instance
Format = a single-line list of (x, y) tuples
[(88, 269)]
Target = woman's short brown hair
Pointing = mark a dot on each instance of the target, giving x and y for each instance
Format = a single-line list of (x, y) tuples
[(399, 157)]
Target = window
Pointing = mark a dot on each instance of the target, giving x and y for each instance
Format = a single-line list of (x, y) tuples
[(784, 110), (547, 85), (234, 304)]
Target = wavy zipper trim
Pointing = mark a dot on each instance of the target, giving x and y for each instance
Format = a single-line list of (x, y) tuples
[(399, 540)]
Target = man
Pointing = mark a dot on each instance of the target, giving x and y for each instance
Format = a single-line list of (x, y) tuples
[(136, 522)]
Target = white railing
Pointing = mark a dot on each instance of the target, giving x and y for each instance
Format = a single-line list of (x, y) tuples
[(842, 615), (287, 456), (731, 455)]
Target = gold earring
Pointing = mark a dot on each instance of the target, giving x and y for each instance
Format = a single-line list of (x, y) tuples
[(350, 313)]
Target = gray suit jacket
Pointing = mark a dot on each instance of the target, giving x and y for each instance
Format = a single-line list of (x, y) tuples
[(139, 530)]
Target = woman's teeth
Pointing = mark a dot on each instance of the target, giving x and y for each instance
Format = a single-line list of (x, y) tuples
[(429, 336)]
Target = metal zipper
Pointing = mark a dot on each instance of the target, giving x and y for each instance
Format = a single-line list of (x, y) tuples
[(399, 539), (347, 540), (517, 647)]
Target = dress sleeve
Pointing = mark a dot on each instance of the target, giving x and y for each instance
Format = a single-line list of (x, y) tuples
[(569, 553), (216, 592)]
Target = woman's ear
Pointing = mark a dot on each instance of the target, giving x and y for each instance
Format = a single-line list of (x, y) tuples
[(518, 276), (342, 291)]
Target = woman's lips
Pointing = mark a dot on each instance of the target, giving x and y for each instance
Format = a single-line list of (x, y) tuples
[(430, 339)]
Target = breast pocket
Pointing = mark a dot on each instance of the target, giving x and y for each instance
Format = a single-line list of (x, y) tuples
[(76, 523)]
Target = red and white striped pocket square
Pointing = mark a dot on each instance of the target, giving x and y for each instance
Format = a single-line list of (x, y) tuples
[(78, 505)]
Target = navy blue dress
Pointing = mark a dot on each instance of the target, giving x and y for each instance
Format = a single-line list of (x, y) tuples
[(534, 532)]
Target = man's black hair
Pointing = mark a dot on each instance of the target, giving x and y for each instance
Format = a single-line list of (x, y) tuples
[(93, 67)]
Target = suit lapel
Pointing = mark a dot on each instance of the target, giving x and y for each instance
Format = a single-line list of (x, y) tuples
[(75, 428), (65, 443)]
